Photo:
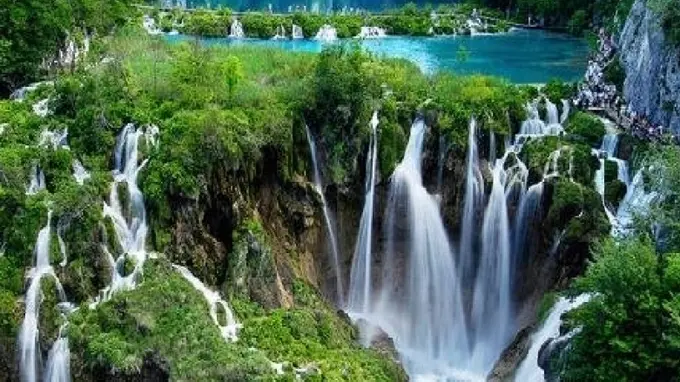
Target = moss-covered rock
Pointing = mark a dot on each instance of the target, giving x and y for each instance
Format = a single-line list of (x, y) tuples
[(614, 192), (586, 127)]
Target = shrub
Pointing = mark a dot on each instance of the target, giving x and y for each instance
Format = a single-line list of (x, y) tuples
[(586, 127)]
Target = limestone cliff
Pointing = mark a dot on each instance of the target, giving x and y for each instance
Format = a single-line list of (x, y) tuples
[(652, 65)]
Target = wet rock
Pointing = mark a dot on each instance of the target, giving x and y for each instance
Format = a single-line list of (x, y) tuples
[(511, 357), (374, 337)]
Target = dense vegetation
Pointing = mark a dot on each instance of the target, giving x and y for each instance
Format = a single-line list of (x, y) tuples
[(409, 20), (33, 31)]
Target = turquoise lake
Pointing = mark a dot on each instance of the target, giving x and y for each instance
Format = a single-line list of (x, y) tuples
[(521, 56)]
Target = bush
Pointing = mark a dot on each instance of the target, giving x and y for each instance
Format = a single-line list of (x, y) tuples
[(586, 127), (556, 90), (629, 329)]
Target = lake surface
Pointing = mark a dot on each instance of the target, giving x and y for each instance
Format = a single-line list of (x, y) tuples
[(522, 56)]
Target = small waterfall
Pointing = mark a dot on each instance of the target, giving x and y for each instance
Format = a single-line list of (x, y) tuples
[(421, 304), (551, 109), (130, 227), (529, 371), (326, 33), (528, 212), (236, 29), (29, 349), (280, 33), (149, 24), (609, 144), (53, 139), (296, 32), (41, 108), (59, 360), (37, 183), (230, 328), (637, 199), (533, 125), (371, 32), (474, 197), (566, 107), (79, 172), (361, 274), (329, 222), (491, 302)]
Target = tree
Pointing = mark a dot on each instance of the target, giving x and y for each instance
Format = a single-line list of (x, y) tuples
[(233, 71)]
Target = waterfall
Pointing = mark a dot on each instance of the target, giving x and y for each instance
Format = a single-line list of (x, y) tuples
[(371, 32), (236, 29), (41, 108), (149, 24), (328, 220), (474, 196), (79, 172), (326, 33), (280, 33), (566, 107), (491, 301), (230, 328), (53, 139), (129, 222), (58, 360), (421, 304), (528, 213), (37, 183), (28, 340), (361, 275), (533, 125), (609, 144), (529, 371), (637, 199), (296, 32), (551, 109), (441, 159)]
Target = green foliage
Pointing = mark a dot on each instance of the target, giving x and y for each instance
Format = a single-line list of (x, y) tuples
[(578, 23), (546, 304), (615, 73), (556, 90), (669, 10), (206, 23), (587, 127), (164, 314), (614, 192), (31, 31), (630, 327)]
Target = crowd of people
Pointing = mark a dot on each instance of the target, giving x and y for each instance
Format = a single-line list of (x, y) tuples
[(595, 93)]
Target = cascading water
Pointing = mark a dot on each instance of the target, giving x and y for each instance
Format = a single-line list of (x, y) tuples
[(566, 107), (280, 33), (474, 197), (491, 314), (326, 33), (296, 32), (420, 303), (551, 110), (130, 228), (360, 282), (318, 184), (58, 367), (37, 183), (371, 32), (529, 371), (29, 349), (230, 327), (236, 29), (79, 172)]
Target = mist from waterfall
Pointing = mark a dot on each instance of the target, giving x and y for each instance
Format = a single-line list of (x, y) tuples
[(330, 226), (361, 275)]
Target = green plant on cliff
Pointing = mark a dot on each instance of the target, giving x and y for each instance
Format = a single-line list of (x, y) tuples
[(669, 10), (587, 127), (630, 328)]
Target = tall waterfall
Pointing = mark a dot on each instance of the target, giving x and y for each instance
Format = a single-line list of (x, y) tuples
[(330, 227), (129, 221), (420, 304), (28, 340), (474, 197), (236, 29), (361, 275)]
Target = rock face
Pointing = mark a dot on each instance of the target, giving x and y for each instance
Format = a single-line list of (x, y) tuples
[(511, 357), (652, 85)]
